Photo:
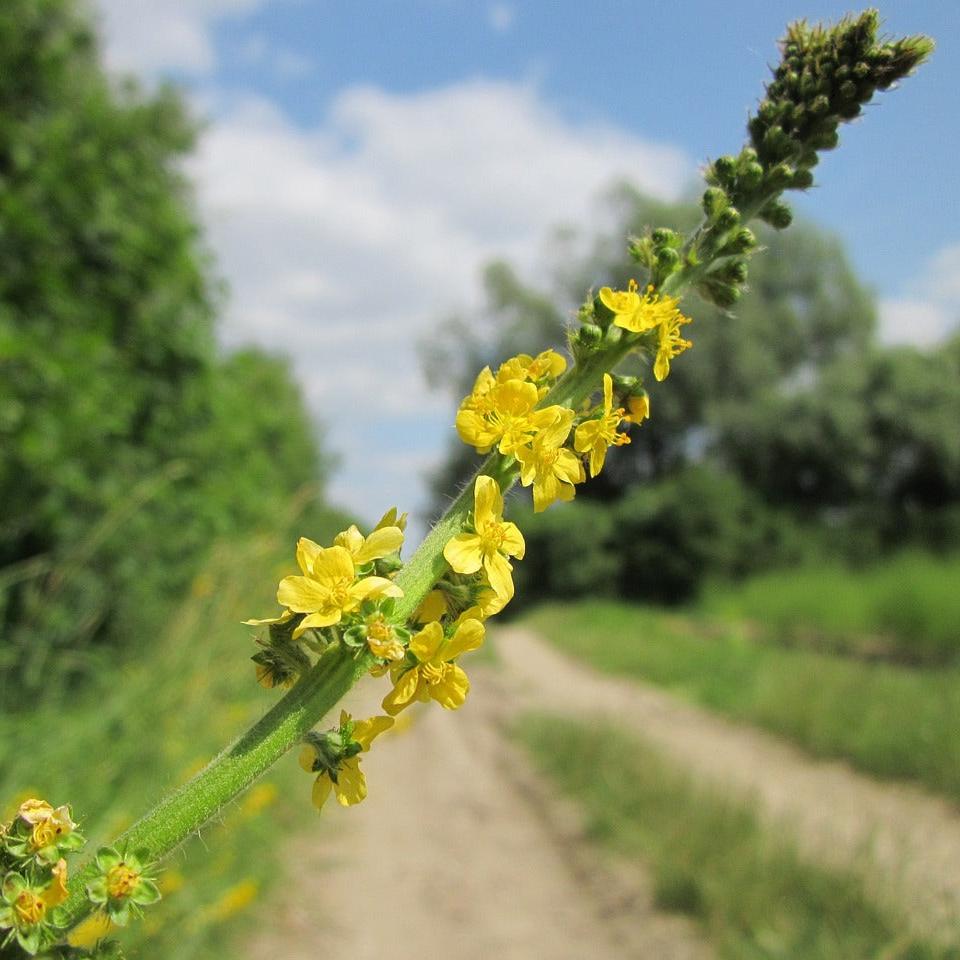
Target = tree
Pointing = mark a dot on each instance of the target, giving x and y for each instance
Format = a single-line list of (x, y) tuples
[(786, 409), (128, 444)]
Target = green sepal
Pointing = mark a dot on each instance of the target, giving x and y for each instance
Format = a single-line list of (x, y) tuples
[(146, 893), (97, 890), (355, 636)]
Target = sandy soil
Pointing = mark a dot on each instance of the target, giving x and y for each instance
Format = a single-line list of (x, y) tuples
[(905, 841), (460, 853)]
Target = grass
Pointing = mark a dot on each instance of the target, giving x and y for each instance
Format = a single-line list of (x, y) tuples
[(889, 720), (906, 609), (146, 725), (753, 896)]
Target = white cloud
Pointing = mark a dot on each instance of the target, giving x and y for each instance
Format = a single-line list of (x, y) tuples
[(341, 244), (149, 36), (931, 310), (501, 16)]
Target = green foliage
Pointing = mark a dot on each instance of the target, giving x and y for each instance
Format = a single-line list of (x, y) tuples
[(750, 890), (657, 543), (906, 609), (128, 444), (140, 728), (786, 413), (886, 719)]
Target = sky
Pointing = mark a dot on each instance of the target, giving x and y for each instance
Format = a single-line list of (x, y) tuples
[(361, 161)]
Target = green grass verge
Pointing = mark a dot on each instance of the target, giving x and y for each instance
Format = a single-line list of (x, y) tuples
[(752, 894), (889, 720), (146, 725), (907, 608)]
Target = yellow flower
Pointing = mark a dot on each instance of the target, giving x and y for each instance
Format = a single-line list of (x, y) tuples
[(435, 676), (548, 465), (392, 519), (56, 891), (342, 773), (547, 365), (621, 303), (328, 588), (432, 607), (492, 542), (382, 542), (671, 344), (594, 436), (638, 407), (49, 825), (502, 415), (651, 310), (382, 639)]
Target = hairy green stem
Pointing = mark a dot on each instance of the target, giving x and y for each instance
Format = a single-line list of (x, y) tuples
[(182, 813)]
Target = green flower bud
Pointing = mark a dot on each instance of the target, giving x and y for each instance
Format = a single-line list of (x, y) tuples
[(714, 290), (802, 180), (743, 241), (667, 261), (714, 200), (727, 219), (777, 214)]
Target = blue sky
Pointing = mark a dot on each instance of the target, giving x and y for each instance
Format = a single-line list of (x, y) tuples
[(362, 160)]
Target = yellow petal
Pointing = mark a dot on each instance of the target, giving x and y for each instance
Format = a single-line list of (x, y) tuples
[(426, 643), (380, 543), (586, 436), (307, 757), (463, 553), (302, 594), (333, 565), (452, 690), (500, 575), (513, 544), (404, 692), (662, 365), (487, 503), (350, 539), (607, 393), (307, 552), (598, 455), (469, 636), (366, 731), (433, 607), (558, 428), (283, 618), (351, 785), (321, 790), (316, 621), (375, 587)]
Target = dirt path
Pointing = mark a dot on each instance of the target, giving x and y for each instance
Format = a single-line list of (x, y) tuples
[(459, 854), (907, 842)]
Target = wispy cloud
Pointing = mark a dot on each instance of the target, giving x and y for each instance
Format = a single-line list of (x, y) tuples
[(931, 309), (151, 36), (501, 16), (343, 243)]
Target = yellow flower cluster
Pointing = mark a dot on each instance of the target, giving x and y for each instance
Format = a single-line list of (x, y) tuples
[(641, 313)]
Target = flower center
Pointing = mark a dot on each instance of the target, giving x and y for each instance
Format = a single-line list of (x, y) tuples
[(121, 881), (432, 672), (340, 593), (30, 908), (492, 537)]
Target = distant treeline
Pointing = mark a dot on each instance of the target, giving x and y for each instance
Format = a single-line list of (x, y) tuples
[(129, 442), (788, 433)]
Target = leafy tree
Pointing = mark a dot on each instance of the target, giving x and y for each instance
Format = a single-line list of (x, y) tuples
[(128, 444), (800, 416)]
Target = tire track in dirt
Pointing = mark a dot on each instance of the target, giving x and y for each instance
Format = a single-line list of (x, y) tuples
[(460, 853), (904, 841)]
